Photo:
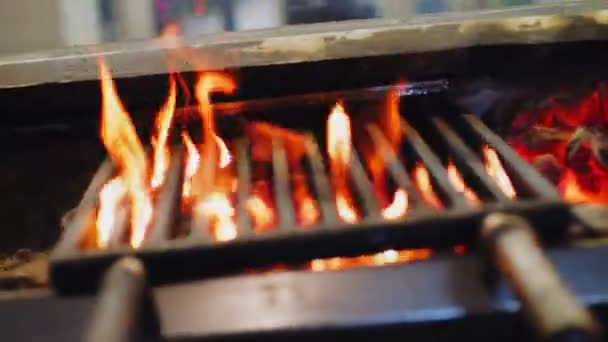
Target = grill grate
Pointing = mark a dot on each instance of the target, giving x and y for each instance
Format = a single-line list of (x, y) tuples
[(198, 255)]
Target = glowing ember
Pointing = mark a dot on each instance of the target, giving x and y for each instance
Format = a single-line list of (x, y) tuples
[(567, 142), (387, 257), (261, 213), (219, 212), (423, 182), (460, 186), (125, 149), (497, 172), (339, 149), (398, 207), (573, 192), (163, 125), (110, 198), (193, 160)]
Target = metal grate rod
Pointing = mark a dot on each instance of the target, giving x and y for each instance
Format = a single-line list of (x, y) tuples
[(395, 168), (363, 186), (467, 160), (282, 192), (168, 204), (321, 183), (527, 174), (243, 189), (86, 210), (433, 164)]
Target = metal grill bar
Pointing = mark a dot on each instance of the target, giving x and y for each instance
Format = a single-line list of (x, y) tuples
[(282, 192), (203, 184), (363, 187), (396, 169), (526, 174), (433, 164), (168, 203), (243, 169), (325, 198), (467, 160), (84, 213)]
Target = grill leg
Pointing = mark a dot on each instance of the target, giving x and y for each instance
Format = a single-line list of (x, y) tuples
[(551, 306), (124, 310)]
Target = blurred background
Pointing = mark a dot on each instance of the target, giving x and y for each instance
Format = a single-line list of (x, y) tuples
[(30, 25)]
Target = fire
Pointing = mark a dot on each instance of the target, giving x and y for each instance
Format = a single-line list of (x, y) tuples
[(460, 186), (122, 143), (573, 192), (388, 257), (163, 125), (398, 206), (261, 213), (225, 156), (497, 172), (339, 149), (219, 212), (207, 83), (261, 207), (193, 160), (423, 182), (307, 209), (110, 198), (339, 141)]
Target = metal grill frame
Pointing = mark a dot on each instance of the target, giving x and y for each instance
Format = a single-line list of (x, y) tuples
[(197, 255)]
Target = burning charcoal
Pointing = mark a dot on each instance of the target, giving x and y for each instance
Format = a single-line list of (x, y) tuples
[(261, 135), (599, 147), (549, 166), (597, 140), (539, 136), (580, 135)]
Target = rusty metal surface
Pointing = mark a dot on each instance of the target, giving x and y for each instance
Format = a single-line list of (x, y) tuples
[(545, 297), (301, 304), (315, 42)]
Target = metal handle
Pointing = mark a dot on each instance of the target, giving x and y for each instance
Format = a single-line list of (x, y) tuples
[(551, 306), (117, 313)]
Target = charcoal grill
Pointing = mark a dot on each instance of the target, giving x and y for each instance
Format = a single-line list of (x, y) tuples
[(170, 259), (198, 286)]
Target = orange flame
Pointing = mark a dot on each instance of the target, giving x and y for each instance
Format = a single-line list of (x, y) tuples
[(260, 206), (423, 181), (163, 125), (339, 149), (225, 156), (110, 198), (120, 139), (193, 160), (261, 213), (573, 192), (398, 206), (460, 186), (219, 212), (206, 84), (387, 257), (339, 140), (497, 172), (306, 207)]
